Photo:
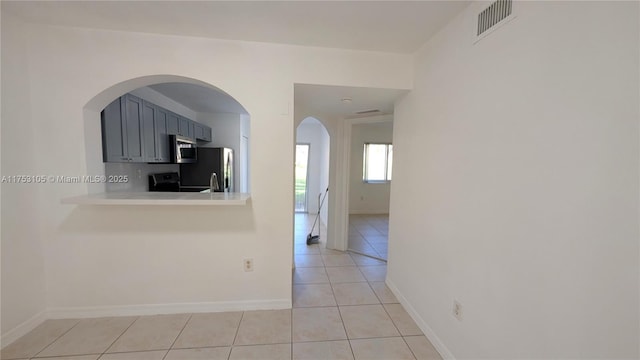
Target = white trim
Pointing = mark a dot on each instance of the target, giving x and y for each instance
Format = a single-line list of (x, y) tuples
[(22, 329), (426, 329), (153, 309)]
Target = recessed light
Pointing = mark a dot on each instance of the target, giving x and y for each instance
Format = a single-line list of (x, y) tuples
[(346, 100)]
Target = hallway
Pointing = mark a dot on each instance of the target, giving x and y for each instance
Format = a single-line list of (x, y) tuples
[(347, 310)]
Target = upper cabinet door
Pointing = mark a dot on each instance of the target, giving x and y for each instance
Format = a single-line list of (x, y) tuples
[(202, 132), (114, 144), (207, 136), (192, 129), (198, 131), (184, 126), (134, 128), (162, 135), (173, 122), (149, 132)]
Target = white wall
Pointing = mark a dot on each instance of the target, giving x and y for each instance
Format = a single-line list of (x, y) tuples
[(115, 260), (325, 169), (226, 132), (515, 187), (23, 266), (313, 133), (367, 198)]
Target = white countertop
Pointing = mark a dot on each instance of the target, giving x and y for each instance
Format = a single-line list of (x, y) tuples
[(160, 198)]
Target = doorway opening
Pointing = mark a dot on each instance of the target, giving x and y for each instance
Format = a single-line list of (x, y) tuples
[(302, 175), (310, 185), (371, 159)]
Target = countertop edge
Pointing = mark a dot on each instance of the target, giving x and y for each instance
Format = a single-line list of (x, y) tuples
[(192, 199)]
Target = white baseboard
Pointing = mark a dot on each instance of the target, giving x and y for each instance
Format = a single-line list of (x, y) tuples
[(426, 329), (22, 329), (156, 309), (138, 310)]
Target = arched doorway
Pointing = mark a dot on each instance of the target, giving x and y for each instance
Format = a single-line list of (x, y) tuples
[(312, 165)]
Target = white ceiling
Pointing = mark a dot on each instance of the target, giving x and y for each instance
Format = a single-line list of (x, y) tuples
[(199, 98), (389, 26), (327, 99)]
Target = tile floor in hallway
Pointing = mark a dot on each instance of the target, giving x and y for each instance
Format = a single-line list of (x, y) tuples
[(369, 234), (341, 310)]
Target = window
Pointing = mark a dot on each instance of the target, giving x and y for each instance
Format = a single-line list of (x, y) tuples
[(378, 159)]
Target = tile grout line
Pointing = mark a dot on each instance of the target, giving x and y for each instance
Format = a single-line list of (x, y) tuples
[(365, 338), (56, 339), (177, 336), (367, 240), (410, 349), (235, 337), (341, 319), (399, 332), (119, 336)]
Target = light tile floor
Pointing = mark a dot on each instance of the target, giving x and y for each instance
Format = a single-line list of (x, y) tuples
[(341, 310), (369, 234)]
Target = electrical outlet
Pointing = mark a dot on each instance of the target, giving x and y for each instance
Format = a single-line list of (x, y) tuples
[(248, 264), (457, 310)]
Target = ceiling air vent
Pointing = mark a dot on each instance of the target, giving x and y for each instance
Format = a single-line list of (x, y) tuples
[(368, 112), (494, 14)]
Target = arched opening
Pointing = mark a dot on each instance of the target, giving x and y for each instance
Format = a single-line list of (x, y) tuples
[(312, 164), (141, 118)]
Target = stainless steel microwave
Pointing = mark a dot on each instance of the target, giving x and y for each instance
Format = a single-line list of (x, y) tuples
[(183, 150)]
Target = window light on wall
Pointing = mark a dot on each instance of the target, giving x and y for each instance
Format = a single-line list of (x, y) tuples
[(377, 162)]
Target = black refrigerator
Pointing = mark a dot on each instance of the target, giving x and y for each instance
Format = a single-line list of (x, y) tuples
[(210, 160)]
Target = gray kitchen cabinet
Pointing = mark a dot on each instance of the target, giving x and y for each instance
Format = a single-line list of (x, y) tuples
[(134, 130), (114, 137), (173, 123), (122, 130), (206, 133), (202, 132), (192, 129), (198, 131), (156, 138), (162, 135), (149, 132), (132, 115), (184, 126)]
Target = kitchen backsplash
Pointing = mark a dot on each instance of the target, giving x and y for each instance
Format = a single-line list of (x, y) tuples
[(137, 174)]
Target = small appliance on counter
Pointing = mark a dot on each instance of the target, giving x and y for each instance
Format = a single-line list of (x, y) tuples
[(167, 182), (210, 160)]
